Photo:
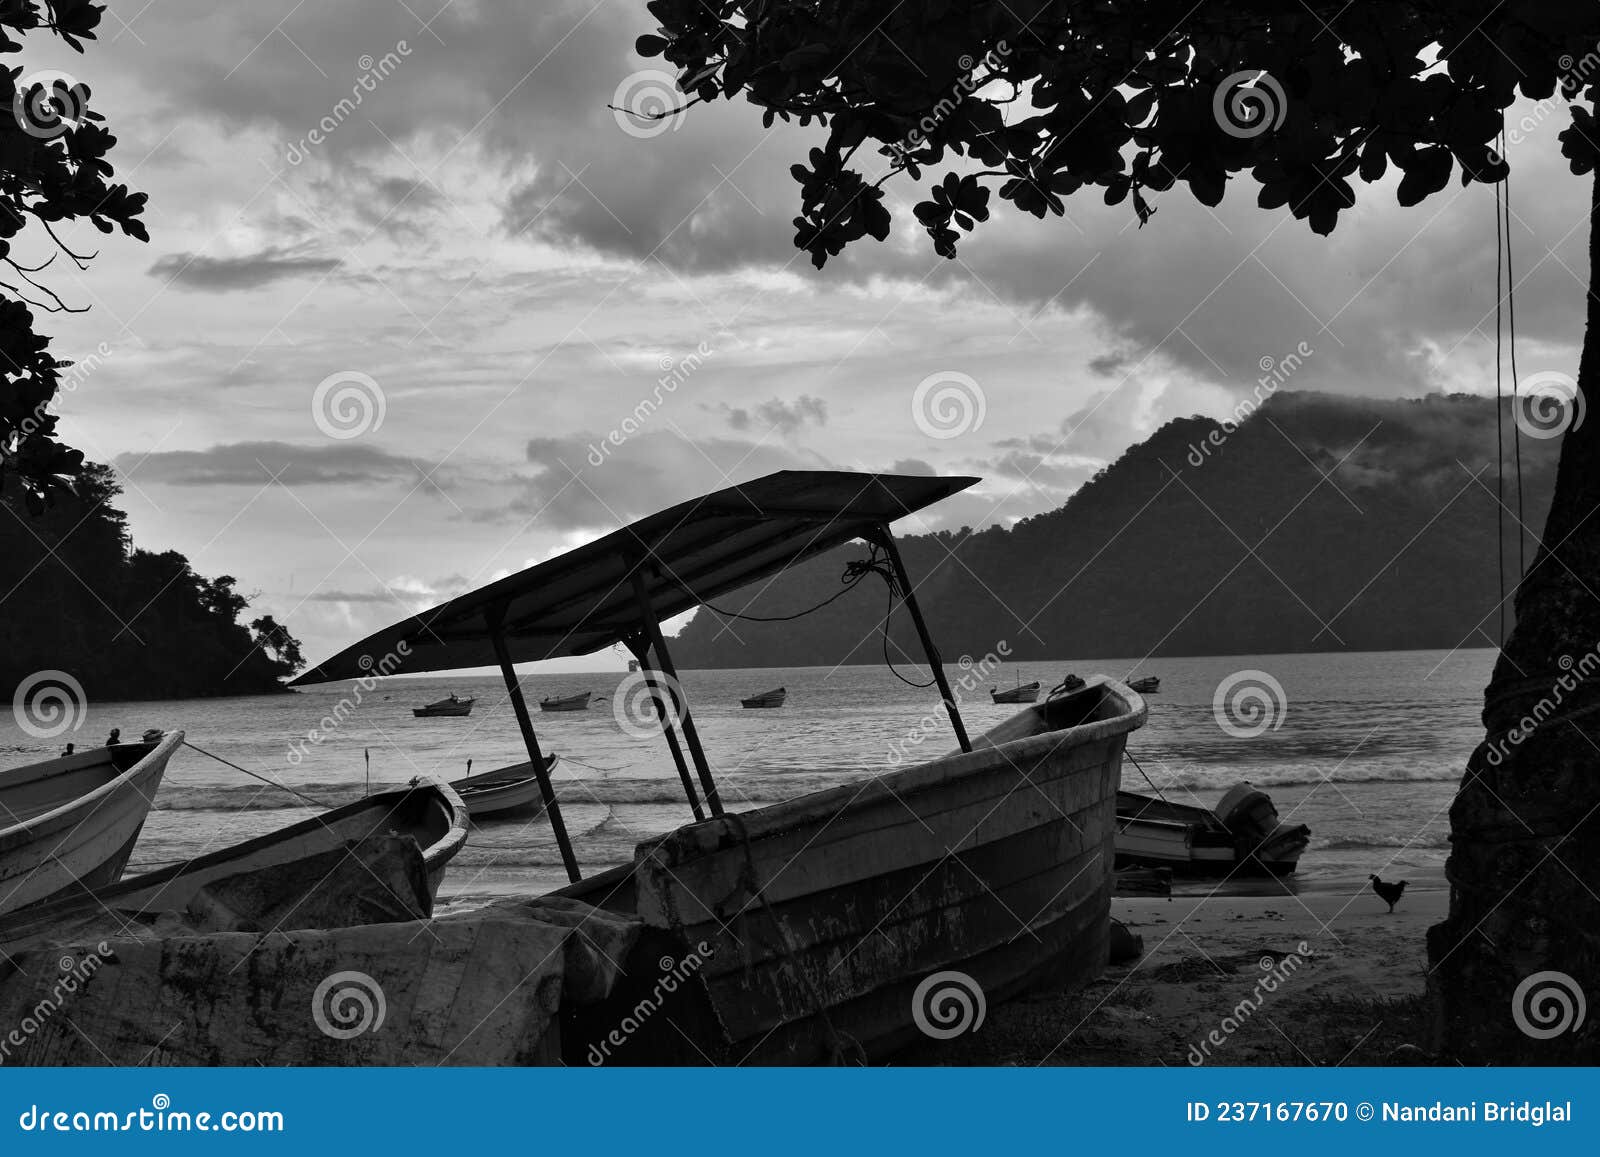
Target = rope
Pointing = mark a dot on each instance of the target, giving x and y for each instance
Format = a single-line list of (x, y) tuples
[(1499, 418), (262, 778), (1147, 779), (850, 578)]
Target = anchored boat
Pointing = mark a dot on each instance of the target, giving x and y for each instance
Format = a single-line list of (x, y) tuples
[(1149, 685), (578, 702), (773, 698), (820, 928), (68, 825), (1021, 693), (448, 706), (1243, 837), (505, 793)]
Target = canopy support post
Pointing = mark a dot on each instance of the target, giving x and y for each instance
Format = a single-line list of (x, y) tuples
[(886, 540), (641, 652), (494, 618), (674, 686)]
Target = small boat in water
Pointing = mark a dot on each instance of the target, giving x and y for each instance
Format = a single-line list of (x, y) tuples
[(68, 825), (429, 813), (567, 702), (1244, 836), (773, 698), (448, 706), (1148, 685), (1021, 693), (504, 793)]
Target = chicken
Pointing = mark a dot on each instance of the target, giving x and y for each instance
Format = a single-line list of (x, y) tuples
[(1389, 893)]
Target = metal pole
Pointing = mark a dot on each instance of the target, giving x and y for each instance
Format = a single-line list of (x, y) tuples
[(641, 652), (652, 628), (886, 540), (495, 618)]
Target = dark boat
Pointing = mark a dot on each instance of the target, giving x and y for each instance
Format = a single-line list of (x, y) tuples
[(773, 698), (1243, 837), (825, 927), (1021, 693), (504, 793), (448, 706), (578, 702), (1149, 685)]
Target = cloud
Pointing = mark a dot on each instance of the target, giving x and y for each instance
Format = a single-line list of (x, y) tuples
[(196, 271), (260, 463), (784, 417)]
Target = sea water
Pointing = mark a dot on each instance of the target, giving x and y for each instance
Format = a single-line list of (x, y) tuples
[(1367, 749)]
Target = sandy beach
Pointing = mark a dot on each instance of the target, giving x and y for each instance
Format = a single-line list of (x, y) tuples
[(1317, 978)]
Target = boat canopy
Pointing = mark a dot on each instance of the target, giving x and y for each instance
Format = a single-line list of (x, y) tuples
[(585, 600)]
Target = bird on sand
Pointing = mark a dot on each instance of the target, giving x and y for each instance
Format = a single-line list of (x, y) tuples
[(1388, 893)]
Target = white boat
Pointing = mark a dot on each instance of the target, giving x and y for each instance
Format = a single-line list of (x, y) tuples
[(504, 793), (71, 822), (1243, 837), (578, 702), (448, 707)]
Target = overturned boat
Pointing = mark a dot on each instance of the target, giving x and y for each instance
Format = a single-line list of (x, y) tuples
[(829, 927), (68, 825), (1243, 837)]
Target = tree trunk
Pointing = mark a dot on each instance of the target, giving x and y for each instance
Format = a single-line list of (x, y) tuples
[(1524, 867)]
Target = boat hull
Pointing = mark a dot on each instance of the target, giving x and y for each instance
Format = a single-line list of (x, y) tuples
[(509, 792), (451, 711), (571, 703), (77, 819), (831, 910), (1192, 841), (766, 699)]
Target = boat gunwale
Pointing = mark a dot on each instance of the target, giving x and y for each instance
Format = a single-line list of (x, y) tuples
[(28, 830)]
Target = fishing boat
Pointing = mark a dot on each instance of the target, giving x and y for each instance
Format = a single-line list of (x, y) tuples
[(825, 927), (1149, 685), (68, 825), (428, 813), (449, 706), (1021, 693), (504, 793), (773, 698), (1243, 837), (578, 702)]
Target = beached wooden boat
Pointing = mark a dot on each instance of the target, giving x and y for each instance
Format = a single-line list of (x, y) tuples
[(827, 927), (1021, 693), (504, 793), (578, 702), (1243, 837), (430, 814), (773, 698), (1148, 685), (68, 825), (449, 706)]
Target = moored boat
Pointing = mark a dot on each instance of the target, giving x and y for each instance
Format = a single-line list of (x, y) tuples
[(449, 707), (505, 792), (579, 702), (773, 698), (1243, 837), (68, 825), (1148, 685), (823, 927), (1021, 693)]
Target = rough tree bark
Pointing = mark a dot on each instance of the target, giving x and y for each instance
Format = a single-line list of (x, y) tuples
[(1524, 867)]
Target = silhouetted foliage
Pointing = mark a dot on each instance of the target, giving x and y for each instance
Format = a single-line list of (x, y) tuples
[(53, 169), (77, 596)]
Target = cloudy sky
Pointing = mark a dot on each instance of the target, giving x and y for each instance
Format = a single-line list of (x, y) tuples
[(486, 273)]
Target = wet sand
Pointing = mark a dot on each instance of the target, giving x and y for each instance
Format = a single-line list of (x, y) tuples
[(1312, 979)]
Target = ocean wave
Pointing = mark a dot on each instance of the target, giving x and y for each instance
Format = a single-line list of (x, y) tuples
[(1356, 844), (1297, 777)]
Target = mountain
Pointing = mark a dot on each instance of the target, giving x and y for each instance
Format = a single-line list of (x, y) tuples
[(77, 599), (1317, 523)]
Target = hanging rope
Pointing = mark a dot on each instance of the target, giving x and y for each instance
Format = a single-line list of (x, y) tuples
[(262, 778), (850, 578)]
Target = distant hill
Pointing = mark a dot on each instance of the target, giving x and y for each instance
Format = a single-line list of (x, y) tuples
[(1321, 523), (77, 597)]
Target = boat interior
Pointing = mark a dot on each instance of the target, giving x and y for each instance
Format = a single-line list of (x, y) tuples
[(39, 788)]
